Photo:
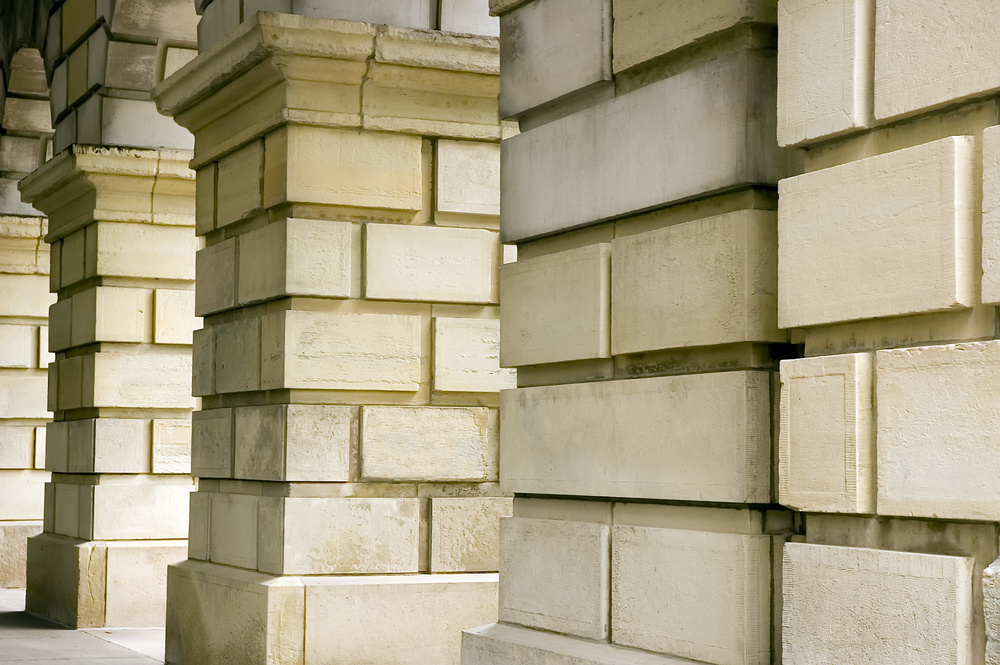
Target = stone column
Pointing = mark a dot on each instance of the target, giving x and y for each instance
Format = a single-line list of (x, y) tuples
[(24, 301), (348, 196), (641, 315)]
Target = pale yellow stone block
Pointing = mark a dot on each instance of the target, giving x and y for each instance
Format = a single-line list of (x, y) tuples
[(937, 426), (991, 215), (702, 616), (557, 307), (137, 583), (372, 169), (294, 442), (18, 346), (39, 456), (17, 447), (238, 190), (142, 380), (23, 396), (174, 319), (554, 575), (826, 442), (110, 445), (151, 251), (833, 225), (467, 356), (711, 281), (212, 443), (25, 295), (110, 314), (340, 351), (468, 178), (465, 533), (215, 285), (428, 443), (431, 263), (875, 606), (171, 445)]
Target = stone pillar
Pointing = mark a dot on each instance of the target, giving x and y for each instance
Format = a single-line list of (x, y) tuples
[(348, 196), (120, 200), (641, 315), (24, 301)]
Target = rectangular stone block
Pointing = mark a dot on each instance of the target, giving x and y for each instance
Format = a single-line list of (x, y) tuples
[(238, 188), (468, 17), (991, 215), (215, 284), (561, 46), (109, 445), (138, 512), (500, 644), (468, 178), (110, 314), (875, 606), (203, 362), (136, 581), (341, 351), (711, 281), (718, 607), (631, 155), (429, 630), (23, 494), (372, 169), (298, 257), (465, 533), (431, 263), (233, 529), (14, 552), (212, 443), (19, 154), (294, 442), (23, 396), (645, 29), (153, 251), (702, 437), (171, 445), (467, 356), (25, 295), (826, 442), (307, 536), (131, 66), (19, 346), (554, 575), (17, 448), (428, 443), (937, 424), (825, 52), (557, 307), (831, 261), (238, 356), (956, 60), (139, 380), (174, 320)]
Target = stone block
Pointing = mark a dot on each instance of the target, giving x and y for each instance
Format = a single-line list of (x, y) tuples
[(702, 437), (14, 552), (467, 356), (17, 447), (153, 251), (27, 115), (470, 17), (954, 61), (233, 530), (136, 583), (175, 20), (143, 512), (991, 215), (23, 494), (238, 188), (554, 575), (699, 595), (215, 284), (109, 445), (314, 536), (826, 442), (19, 346), (465, 533), (720, 150), (991, 611), (25, 295), (937, 421), (373, 169), (69, 585), (212, 443), (140, 380), (834, 223), (825, 52), (23, 396), (204, 198), (238, 356), (130, 122), (500, 644), (419, 14), (428, 443), (203, 362), (175, 58), (468, 178), (426, 614), (131, 66), (294, 442), (430, 263), (711, 281), (646, 29), (110, 314), (174, 320), (875, 606), (557, 307), (21, 154), (171, 445), (552, 48), (298, 257), (341, 351)]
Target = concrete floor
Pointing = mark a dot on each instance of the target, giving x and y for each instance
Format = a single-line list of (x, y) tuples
[(30, 640)]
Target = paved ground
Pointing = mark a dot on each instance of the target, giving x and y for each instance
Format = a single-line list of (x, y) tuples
[(30, 640)]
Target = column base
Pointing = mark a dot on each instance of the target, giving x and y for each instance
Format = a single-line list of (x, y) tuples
[(219, 615), (503, 644), (98, 584), (14, 551)]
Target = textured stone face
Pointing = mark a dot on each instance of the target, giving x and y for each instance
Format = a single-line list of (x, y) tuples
[(893, 607)]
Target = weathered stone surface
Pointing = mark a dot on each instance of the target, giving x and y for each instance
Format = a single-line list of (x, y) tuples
[(467, 356), (957, 59), (212, 443), (712, 281), (833, 225), (629, 152), (991, 215), (554, 575), (938, 413), (137, 582), (704, 596), (428, 443), (468, 178), (825, 52), (215, 283), (14, 552), (875, 606), (556, 307), (702, 437), (465, 533), (552, 48), (645, 29), (294, 442), (826, 443), (468, 17)]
